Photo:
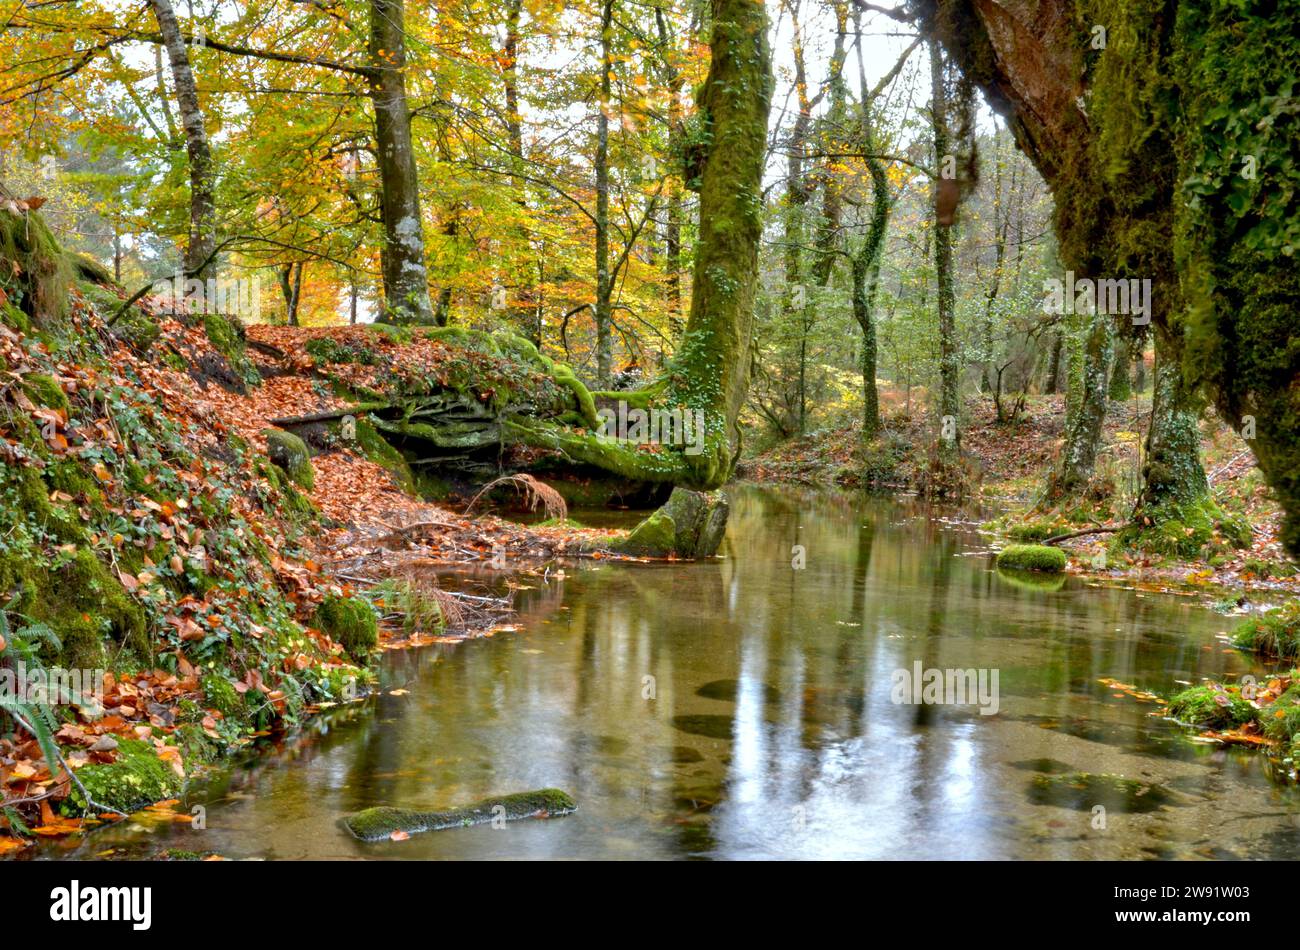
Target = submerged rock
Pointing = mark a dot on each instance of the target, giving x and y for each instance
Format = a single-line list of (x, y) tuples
[(375, 824), (713, 727), (726, 690)]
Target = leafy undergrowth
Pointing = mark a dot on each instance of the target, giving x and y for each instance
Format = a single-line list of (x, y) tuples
[(147, 532)]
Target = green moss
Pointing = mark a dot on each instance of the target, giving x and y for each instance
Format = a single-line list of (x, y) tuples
[(349, 621), (220, 694), (45, 391), (15, 318), (1032, 530), (292, 456), (135, 779), (80, 600), (1184, 529), (1210, 707), (34, 271), (1032, 557), (377, 824), (325, 350), (294, 506), (227, 338), (1275, 633), (689, 525)]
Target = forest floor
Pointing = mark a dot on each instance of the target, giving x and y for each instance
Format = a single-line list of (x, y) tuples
[(1007, 464)]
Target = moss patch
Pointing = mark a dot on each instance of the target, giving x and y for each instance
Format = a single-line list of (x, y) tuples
[(1210, 707), (1032, 557), (137, 778), (349, 621), (1275, 633)]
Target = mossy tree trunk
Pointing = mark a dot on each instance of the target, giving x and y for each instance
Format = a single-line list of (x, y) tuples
[(1121, 387), (709, 372), (1083, 424), (949, 367), (1175, 510)]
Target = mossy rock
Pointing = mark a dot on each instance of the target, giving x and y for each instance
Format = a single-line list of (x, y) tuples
[(350, 622), (137, 778), (45, 391), (369, 444), (1083, 791), (1209, 707), (1275, 633), (80, 600), (227, 338), (377, 824), (293, 505), (138, 332), (37, 274), (1032, 557), (690, 524), (292, 456)]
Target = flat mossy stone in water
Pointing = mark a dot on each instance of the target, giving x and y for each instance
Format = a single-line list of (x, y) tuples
[(1032, 557), (376, 824)]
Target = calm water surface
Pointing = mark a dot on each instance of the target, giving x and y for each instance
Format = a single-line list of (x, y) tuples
[(742, 709)]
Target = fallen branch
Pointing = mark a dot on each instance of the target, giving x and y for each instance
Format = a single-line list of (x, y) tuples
[(1087, 531), (320, 416)]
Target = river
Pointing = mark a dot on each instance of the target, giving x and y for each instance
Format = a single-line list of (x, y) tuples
[(745, 708)]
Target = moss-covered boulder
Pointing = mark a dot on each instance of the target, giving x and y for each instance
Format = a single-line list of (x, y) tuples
[(1210, 707), (1275, 633), (376, 824), (1032, 557), (691, 524), (292, 456), (135, 779), (350, 622)]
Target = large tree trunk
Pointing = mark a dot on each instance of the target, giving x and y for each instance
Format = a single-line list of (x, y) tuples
[(1175, 512), (406, 283), (203, 207)]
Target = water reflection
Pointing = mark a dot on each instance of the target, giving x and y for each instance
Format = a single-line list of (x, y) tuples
[(742, 709)]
